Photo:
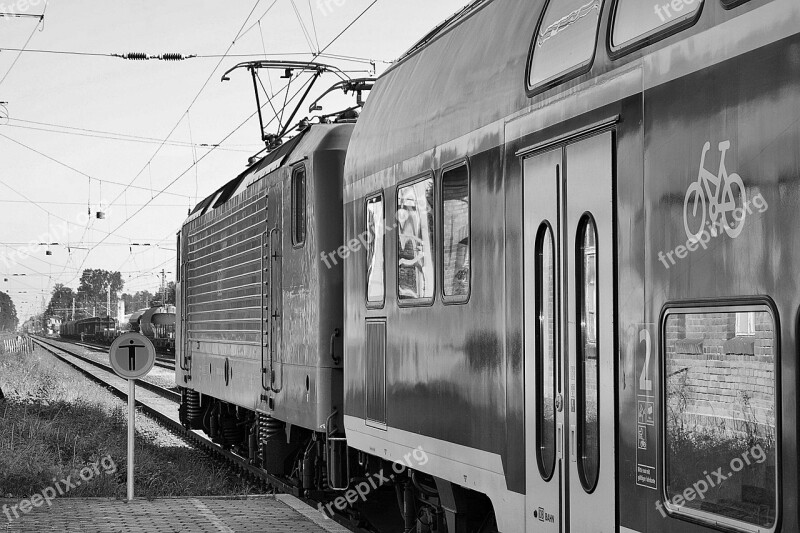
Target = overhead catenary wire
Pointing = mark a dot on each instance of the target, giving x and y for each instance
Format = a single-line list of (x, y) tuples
[(175, 180), (175, 127), (165, 189), (194, 100), (306, 34), (313, 23), (187, 170), (108, 136), (355, 59), (82, 173), (58, 202)]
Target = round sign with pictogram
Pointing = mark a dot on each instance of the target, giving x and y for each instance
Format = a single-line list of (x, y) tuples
[(132, 355)]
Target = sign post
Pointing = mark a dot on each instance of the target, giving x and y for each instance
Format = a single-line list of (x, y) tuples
[(132, 356)]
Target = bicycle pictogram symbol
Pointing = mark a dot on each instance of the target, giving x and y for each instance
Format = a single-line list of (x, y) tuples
[(721, 195)]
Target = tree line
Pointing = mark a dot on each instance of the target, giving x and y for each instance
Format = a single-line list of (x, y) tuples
[(8, 313), (92, 296)]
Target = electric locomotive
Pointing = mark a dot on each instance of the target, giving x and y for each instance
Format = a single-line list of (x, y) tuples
[(259, 349)]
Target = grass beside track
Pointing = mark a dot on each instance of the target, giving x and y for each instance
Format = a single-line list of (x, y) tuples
[(54, 422)]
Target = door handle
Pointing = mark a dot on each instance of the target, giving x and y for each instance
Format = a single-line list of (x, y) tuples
[(572, 444), (336, 333), (559, 439)]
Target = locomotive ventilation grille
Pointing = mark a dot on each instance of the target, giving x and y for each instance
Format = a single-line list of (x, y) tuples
[(223, 270)]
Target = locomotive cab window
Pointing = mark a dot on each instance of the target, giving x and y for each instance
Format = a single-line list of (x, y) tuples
[(456, 234), (721, 413), (299, 206), (415, 229), (375, 254), (637, 22), (564, 44)]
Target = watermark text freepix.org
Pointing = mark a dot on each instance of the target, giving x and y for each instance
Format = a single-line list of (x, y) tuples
[(714, 229), (713, 479), (374, 481), (18, 7), (60, 487), (352, 246), (672, 8), (325, 5)]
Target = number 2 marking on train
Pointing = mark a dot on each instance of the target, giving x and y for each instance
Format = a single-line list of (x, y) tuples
[(644, 382)]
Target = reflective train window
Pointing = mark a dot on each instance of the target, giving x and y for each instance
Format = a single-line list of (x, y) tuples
[(588, 370), (415, 228), (375, 255), (564, 43), (546, 351), (456, 233), (721, 453), (636, 21), (299, 206)]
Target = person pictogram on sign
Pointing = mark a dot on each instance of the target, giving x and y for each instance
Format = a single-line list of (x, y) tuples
[(132, 354)]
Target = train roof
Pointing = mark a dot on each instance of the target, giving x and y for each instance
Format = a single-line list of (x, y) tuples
[(224, 193), (459, 84), (316, 137)]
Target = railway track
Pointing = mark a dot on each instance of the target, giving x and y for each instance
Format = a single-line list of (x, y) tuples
[(162, 362), (161, 391), (171, 422)]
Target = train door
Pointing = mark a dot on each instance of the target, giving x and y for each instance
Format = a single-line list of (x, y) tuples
[(569, 336), (272, 287)]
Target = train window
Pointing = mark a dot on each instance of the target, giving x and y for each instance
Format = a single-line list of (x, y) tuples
[(375, 255), (178, 260), (588, 370), (721, 451), (546, 351), (564, 43), (640, 22), (415, 227), (299, 206), (456, 233)]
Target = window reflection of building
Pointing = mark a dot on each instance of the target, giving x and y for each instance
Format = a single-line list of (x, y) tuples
[(456, 231), (590, 290), (414, 251), (375, 257)]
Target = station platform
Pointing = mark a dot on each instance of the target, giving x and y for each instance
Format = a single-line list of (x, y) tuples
[(279, 514)]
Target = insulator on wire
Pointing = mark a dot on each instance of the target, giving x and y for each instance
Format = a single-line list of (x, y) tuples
[(134, 56), (141, 56), (174, 57)]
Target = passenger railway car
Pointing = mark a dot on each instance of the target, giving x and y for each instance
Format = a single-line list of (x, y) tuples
[(564, 272), (582, 299)]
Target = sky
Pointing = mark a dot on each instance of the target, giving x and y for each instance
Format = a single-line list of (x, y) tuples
[(82, 131)]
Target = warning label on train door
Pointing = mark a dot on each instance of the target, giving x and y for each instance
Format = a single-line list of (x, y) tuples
[(646, 429)]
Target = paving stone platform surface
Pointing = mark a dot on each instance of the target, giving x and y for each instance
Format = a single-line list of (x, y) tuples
[(278, 514)]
